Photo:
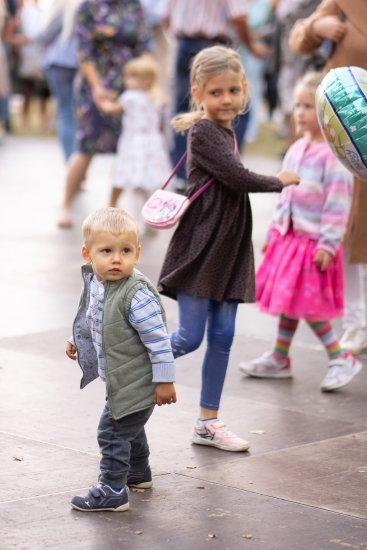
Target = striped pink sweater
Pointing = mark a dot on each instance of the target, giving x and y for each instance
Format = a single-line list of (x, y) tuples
[(319, 206)]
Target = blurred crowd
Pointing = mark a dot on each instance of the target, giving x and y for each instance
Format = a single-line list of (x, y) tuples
[(39, 55), (79, 52)]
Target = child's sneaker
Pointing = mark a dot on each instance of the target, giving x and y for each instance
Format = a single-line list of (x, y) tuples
[(101, 498), (340, 372), (140, 480), (215, 434), (267, 366)]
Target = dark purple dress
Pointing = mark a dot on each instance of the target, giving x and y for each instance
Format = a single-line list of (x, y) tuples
[(210, 254), (109, 33)]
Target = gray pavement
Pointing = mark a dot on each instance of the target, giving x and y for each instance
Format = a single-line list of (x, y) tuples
[(303, 483)]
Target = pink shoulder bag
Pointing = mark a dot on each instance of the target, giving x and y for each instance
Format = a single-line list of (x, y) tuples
[(165, 208)]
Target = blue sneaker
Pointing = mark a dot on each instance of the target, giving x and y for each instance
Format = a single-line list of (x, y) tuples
[(100, 498), (140, 480)]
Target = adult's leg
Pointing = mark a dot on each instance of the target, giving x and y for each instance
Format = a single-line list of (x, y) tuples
[(220, 332), (60, 82), (192, 316), (76, 171), (354, 295), (354, 338), (186, 50), (116, 440), (239, 126), (114, 196), (140, 197)]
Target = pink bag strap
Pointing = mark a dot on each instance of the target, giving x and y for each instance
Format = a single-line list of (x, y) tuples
[(206, 185)]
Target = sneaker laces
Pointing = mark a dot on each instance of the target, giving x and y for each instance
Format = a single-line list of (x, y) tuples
[(225, 431)]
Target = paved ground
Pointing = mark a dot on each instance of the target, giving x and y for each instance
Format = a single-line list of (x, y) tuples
[(302, 486)]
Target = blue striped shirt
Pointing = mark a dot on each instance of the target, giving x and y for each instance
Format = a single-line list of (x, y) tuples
[(146, 318)]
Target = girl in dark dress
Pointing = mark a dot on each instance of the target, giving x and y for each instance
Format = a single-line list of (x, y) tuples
[(209, 266)]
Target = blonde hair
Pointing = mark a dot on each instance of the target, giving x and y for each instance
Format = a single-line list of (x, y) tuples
[(112, 220), (146, 68), (207, 63), (142, 67), (309, 82)]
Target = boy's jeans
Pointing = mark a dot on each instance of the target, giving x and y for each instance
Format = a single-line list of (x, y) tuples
[(123, 450)]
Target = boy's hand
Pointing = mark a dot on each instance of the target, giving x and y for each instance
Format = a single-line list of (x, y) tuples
[(322, 258), (288, 177), (165, 394), (329, 27), (70, 351), (264, 248)]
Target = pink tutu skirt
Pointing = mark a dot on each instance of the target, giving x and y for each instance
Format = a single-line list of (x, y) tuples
[(288, 281)]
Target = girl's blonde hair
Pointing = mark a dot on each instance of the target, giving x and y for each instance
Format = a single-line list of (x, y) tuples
[(309, 82), (142, 67), (207, 63), (146, 68)]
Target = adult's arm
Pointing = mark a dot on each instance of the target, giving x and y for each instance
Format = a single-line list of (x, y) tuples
[(214, 155), (86, 53), (51, 31), (143, 34), (10, 21), (304, 38)]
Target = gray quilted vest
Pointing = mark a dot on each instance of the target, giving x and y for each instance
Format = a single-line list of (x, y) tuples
[(127, 365)]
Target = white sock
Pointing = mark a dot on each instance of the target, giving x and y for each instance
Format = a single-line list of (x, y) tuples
[(202, 422)]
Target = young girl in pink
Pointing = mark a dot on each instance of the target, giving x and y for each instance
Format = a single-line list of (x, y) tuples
[(301, 275)]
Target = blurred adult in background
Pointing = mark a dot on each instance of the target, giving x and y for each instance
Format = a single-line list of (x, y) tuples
[(199, 24), (258, 16), (109, 33), (59, 62), (32, 82), (345, 24), (7, 27), (154, 13), (292, 66)]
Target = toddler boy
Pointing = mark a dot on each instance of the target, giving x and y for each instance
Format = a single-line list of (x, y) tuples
[(119, 334)]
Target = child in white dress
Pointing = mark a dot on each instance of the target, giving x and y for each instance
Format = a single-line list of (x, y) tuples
[(142, 163)]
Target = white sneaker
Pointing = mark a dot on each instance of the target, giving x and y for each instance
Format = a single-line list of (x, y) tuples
[(354, 340), (267, 366), (215, 434), (340, 372)]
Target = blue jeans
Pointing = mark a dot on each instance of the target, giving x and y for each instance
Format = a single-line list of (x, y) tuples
[(4, 109), (60, 82), (187, 49), (220, 317), (123, 445)]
